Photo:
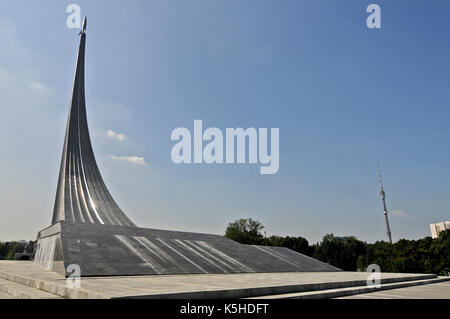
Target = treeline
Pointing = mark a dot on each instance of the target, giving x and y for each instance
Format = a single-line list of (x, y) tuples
[(9, 249), (348, 253), (425, 255)]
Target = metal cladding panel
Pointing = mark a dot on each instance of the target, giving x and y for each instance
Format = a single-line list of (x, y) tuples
[(82, 195), (49, 253), (106, 250)]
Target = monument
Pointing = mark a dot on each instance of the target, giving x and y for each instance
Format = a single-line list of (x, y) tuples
[(91, 231)]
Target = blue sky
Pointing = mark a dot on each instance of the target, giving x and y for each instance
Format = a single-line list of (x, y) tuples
[(344, 97)]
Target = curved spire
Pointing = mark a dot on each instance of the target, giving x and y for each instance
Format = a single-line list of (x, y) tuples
[(82, 195)]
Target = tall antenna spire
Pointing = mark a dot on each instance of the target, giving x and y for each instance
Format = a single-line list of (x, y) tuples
[(383, 199)]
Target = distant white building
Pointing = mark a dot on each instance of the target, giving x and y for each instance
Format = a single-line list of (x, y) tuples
[(437, 228)]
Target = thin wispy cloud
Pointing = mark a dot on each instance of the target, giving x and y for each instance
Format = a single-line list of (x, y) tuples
[(38, 86), (401, 213), (115, 136), (137, 160)]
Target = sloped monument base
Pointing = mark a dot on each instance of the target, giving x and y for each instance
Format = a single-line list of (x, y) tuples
[(108, 250)]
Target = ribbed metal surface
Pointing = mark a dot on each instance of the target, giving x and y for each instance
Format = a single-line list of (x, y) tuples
[(82, 195)]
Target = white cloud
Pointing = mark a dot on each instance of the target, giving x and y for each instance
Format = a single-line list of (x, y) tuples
[(38, 87), (401, 213), (130, 159), (116, 136)]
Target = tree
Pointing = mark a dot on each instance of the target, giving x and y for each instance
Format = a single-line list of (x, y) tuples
[(298, 244), (342, 252), (3, 249), (425, 255), (245, 231), (14, 248), (440, 248)]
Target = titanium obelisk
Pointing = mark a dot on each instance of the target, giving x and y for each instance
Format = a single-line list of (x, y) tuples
[(82, 195), (383, 199)]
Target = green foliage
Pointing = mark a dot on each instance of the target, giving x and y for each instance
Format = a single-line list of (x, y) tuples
[(245, 231), (298, 244), (405, 256), (342, 252), (9, 249), (3, 250)]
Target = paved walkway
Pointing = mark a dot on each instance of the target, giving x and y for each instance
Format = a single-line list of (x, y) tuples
[(122, 286), (4, 295), (433, 291)]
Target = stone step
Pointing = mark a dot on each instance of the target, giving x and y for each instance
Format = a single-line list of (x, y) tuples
[(193, 286), (57, 289), (281, 289), (349, 291), (16, 290), (4, 295)]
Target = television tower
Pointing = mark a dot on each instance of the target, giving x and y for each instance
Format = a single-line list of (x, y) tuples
[(383, 196)]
